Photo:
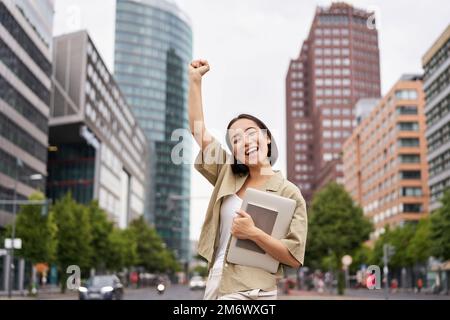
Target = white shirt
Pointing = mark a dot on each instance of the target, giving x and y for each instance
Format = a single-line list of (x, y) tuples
[(230, 205)]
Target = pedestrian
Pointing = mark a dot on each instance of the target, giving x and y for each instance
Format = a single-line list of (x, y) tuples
[(254, 151), (134, 278), (419, 284), (394, 285)]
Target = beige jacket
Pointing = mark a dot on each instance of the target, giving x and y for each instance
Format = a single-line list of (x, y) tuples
[(214, 163)]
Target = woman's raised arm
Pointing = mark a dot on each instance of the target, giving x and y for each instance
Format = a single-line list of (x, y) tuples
[(197, 69)]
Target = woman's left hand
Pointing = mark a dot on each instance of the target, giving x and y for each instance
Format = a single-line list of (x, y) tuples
[(243, 226)]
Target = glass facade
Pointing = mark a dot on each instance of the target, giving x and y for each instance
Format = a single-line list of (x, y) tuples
[(103, 155), (25, 57), (153, 46), (436, 65), (71, 169)]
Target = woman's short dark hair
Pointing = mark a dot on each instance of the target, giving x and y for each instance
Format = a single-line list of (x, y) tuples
[(272, 152)]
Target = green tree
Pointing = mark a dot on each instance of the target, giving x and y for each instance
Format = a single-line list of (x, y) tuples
[(169, 261), (123, 250), (336, 227), (101, 228), (400, 238), (419, 248), (361, 256), (151, 251), (73, 236), (440, 229), (37, 231), (200, 270)]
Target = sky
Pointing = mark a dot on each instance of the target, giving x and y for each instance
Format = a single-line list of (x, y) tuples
[(249, 44)]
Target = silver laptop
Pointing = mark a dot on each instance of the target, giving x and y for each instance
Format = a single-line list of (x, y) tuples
[(272, 214)]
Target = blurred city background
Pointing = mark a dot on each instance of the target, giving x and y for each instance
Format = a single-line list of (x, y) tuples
[(356, 93)]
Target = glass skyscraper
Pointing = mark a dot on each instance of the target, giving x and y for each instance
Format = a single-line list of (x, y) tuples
[(153, 46), (25, 73)]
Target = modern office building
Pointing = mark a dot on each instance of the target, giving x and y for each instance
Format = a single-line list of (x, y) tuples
[(153, 47), (338, 64), (384, 160), (25, 72), (436, 64), (98, 151)]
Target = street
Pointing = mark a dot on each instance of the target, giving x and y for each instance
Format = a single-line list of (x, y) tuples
[(182, 292), (173, 292)]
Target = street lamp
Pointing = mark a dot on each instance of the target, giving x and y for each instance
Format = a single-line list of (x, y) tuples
[(33, 177)]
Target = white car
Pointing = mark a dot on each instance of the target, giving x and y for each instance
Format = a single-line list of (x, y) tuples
[(197, 282)]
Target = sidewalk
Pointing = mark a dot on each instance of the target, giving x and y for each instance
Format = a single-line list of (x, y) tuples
[(45, 293), (314, 295), (360, 294)]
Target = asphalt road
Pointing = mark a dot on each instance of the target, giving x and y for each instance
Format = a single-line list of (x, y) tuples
[(180, 292), (173, 292)]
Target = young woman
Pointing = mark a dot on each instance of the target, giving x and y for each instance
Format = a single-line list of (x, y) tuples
[(253, 153)]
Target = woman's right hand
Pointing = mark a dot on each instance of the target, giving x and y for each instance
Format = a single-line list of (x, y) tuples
[(198, 68)]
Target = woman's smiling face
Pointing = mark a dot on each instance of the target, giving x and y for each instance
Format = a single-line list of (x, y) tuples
[(249, 142)]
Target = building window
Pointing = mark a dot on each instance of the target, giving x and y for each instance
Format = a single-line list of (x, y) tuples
[(411, 191), (406, 94), (407, 110), (412, 207), (346, 112), (408, 126), (408, 142), (410, 174), (346, 123), (409, 158)]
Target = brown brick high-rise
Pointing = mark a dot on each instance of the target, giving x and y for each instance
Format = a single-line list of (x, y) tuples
[(338, 65)]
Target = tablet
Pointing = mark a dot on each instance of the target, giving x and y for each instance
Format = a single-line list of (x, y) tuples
[(272, 214)]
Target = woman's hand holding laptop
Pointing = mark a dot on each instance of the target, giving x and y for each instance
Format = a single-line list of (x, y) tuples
[(243, 226)]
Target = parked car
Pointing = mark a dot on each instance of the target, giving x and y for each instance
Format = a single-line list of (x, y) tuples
[(105, 287), (197, 282)]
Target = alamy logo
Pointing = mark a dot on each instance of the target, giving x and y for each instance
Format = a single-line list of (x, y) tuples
[(74, 280), (373, 280)]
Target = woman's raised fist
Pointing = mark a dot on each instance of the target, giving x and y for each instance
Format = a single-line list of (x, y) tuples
[(197, 68)]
